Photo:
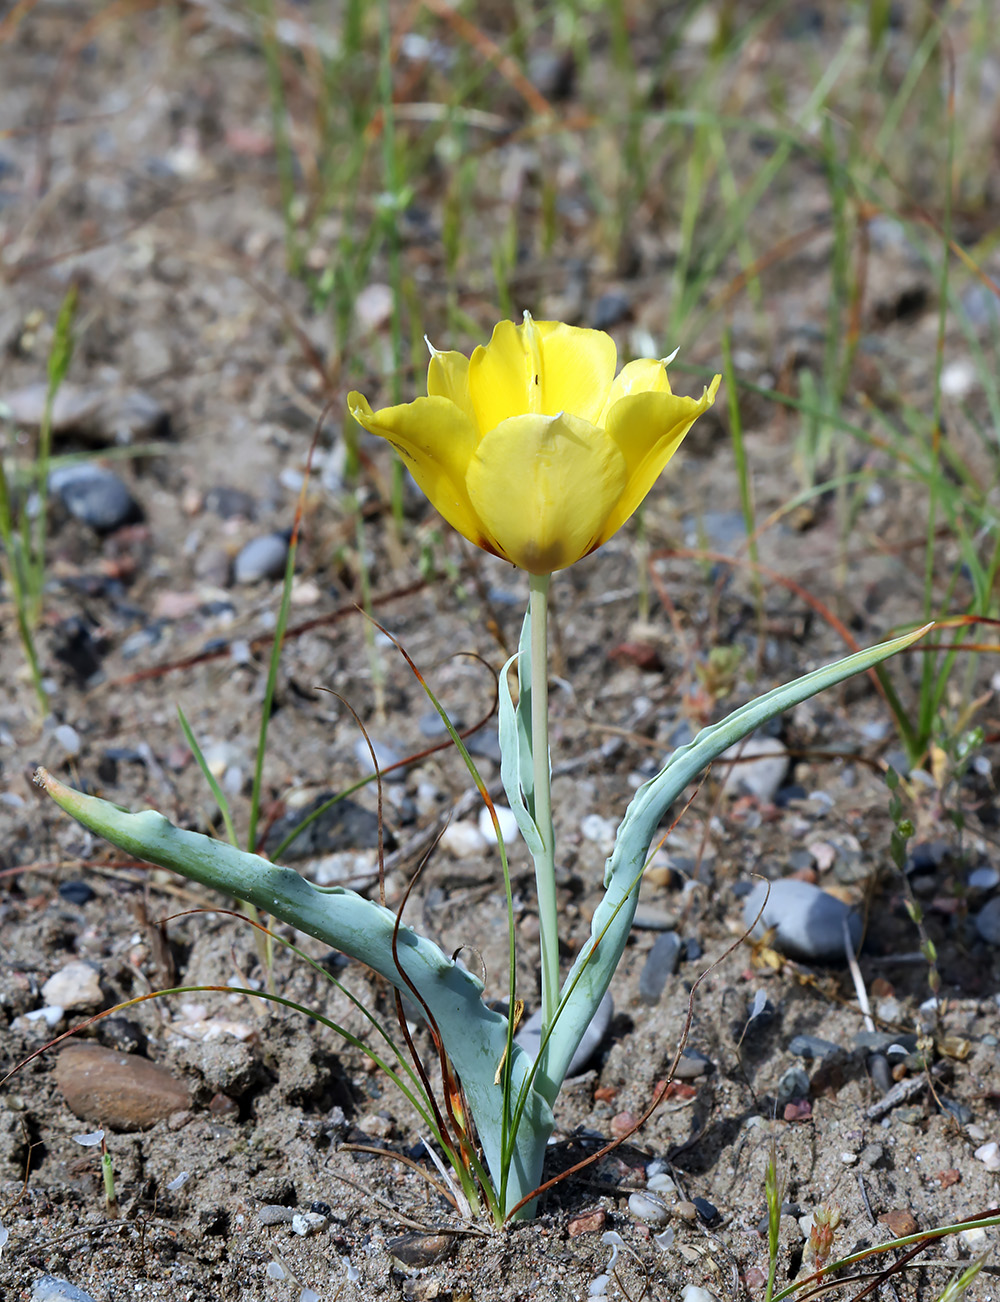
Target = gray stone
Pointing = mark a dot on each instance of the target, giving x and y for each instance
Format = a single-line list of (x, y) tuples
[(49, 1288), (794, 1084), (692, 1064), (883, 1041), (261, 558), (760, 768), (90, 414), (94, 495), (529, 1037), (988, 921), (385, 758), (812, 1046), (275, 1214), (808, 924), (660, 964)]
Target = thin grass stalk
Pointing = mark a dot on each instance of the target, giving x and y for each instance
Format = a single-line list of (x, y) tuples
[(393, 187), (743, 475)]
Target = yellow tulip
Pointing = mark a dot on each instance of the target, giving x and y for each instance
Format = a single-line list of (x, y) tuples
[(533, 448)]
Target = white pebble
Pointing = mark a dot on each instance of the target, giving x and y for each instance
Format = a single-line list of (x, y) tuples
[(647, 1207), (464, 840), (760, 768), (68, 738), (695, 1293), (77, 985), (508, 825), (600, 830), (848, 1159), (975, 1239), (51, 1015), (661, 1183), (306, 1223), (989, 1155), (958, 379), (274, 1271)]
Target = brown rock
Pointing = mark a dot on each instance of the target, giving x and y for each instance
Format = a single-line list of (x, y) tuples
[(118, 1090), (421, 1249), (900, 1222), (588, 1223)]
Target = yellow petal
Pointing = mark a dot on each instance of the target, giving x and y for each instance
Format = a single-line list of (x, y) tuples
[(543, 488), (648, 429), (436, 440), (578, 367), (541, 367), (642, 376), (448, 377)]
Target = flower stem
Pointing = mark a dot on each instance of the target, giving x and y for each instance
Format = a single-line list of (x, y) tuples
[(545, 873)]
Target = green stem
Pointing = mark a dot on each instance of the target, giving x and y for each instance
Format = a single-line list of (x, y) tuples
[(545, 872)]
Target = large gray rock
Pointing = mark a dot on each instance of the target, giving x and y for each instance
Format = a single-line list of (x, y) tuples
[(808, 924)]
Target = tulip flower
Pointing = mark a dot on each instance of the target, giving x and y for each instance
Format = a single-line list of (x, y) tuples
[(533, 448)]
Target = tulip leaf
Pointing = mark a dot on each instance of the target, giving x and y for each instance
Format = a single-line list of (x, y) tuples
[(474, 1036), (595, 965)]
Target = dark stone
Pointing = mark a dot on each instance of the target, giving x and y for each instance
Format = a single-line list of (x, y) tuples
[(610, 309), (74, 645), (708, 1213), (812, 1046), (346, 825), (76, 892), (229, 503), (321, 1209), (421, 1249), (95, 496), (660, 964)]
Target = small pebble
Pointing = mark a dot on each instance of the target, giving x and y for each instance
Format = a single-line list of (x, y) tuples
[(661, 963), (812, 1046), (421, 1249), (76, 892), (77, 985), (49, 1288), (649, 918), (983, 878), (760, 770), (68, 738), (307, 1223), (602, 831), (976, 1240), (261, 558), (989, 1155), (647, 1207), (588, 1223), (463, 839), (385, 757), (275, 1214), (660, 1183), (692, 1064), (686, 1210), (95, 496), (508, 825), (988, 921), (808, 923), (900, 1222), (794, 1084), (695, 1293), (880, 1072), (707, 1211)]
